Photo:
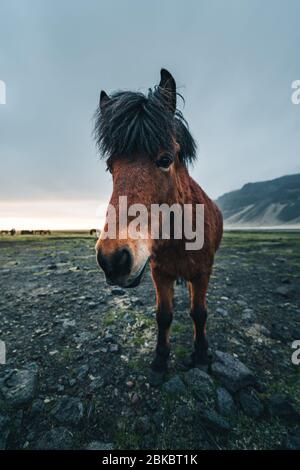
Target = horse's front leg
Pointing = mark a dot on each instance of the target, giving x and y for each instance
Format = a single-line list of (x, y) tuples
[(198, 288), (164, 301)]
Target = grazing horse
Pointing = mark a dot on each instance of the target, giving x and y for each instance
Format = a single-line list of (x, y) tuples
[(147, 146)]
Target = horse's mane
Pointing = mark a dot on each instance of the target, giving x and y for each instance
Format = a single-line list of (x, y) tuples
[(130, 122)]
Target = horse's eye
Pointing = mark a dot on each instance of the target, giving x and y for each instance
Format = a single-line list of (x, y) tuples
[(165, 161)]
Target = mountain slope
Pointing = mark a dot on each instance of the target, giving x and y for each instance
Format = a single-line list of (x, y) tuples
[(267, 203)]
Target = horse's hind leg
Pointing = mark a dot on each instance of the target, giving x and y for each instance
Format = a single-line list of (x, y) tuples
[(198, 288), (164, 301)]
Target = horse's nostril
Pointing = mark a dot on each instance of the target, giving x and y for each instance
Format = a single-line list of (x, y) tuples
[(122, 262), (117, 264)]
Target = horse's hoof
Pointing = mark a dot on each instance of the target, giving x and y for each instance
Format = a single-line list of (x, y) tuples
[(155, 378), (201, 360), (159, 364)]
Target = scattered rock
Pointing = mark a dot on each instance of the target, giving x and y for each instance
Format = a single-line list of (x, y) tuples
[(97, 382), (174, 386), (143, 425), (285, 333), (98, 445), (117, 291), (285, 291), (284, 408), (56, 439), (37, 407), (82, 372), (113, 348), (214, 420), (200, 384), (158, 419), (84, 337), (184, 413), (135, 398), (257, 330), (52, 266), (231, 372), (292, 440), (222, 311), (225, 402), (18, 386), (68, 323), (250, 403), (68, 410)]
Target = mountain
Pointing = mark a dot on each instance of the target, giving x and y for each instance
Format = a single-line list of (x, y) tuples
[(267, 203)]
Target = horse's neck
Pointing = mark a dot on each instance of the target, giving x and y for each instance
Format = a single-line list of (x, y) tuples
[(184, 186)]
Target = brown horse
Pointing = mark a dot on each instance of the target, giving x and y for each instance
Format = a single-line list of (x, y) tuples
[(148, 147)]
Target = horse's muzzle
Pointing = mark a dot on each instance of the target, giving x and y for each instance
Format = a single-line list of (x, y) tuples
[(116, 266)]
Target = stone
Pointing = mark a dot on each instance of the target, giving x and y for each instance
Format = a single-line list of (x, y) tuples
[(247, 313), (285, 291), (37, 407), (117, 291), (99, 445), (174, 386), (52, 266), (231, 372), (225, 402), (18, 386), (97, 383), (257, 331), (84, 337), (82, 372), (222, 311), (4, 430), (114, 348), (200, 384), (68, 410), (250, 403), (292, 440), (214, 420), (158, 419), (68, 323), (56, 439), (284, 408), (184, 413), (143, 425)]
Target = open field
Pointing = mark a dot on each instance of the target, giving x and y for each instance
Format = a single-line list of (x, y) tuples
[(91, 346)]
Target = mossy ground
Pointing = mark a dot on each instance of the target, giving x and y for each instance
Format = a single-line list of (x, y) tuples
[(119, 338)]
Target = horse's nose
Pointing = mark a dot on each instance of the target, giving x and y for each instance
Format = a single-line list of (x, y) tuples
[(117, 264)]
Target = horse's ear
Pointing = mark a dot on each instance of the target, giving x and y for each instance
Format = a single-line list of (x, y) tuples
[(104, 99), (168, 87)]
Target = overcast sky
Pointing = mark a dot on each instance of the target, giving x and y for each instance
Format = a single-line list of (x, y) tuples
[(234, 62)]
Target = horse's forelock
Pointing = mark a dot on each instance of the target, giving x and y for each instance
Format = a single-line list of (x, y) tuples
[(131, 122)]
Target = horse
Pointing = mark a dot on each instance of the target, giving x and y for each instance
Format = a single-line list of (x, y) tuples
[(148, 147)]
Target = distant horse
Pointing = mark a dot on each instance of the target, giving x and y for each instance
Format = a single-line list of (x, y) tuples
[(41, 232), (11, 232), (148, 147)]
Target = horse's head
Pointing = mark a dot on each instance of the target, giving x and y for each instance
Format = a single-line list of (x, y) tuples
[(147, 144)]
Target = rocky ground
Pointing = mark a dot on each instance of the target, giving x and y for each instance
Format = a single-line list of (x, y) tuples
[(78, 351)]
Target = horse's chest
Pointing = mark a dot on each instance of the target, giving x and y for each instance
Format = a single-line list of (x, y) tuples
[(176, 262)]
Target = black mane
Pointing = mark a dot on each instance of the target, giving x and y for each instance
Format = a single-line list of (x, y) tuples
[(130, 122)]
